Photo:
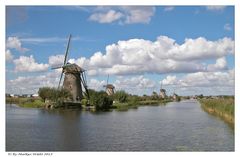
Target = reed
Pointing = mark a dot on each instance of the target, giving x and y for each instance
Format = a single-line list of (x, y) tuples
[(222, 107)]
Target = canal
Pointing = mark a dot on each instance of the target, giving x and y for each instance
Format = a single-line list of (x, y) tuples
[(177, 126)]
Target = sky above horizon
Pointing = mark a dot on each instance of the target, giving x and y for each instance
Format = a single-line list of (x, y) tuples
[(187, 49)]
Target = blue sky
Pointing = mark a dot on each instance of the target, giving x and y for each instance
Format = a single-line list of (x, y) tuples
[(190, 49)]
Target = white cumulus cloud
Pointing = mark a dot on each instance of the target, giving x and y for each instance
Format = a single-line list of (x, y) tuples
[(221, 64), (56, 60), (96, 84), (138, 14), (169, 80), (137, 82), (31, 84), (209, 79), (107, 17), (28, 64), (208, 83), (123, 14), (15, 43), (201, 48), (138, 56)]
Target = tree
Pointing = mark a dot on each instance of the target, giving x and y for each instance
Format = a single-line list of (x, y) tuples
[(44, 93), (200, 96), (121, 96), (53, 94), (154, 95)]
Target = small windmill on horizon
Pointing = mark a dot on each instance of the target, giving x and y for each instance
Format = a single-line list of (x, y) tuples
[(109, 88), (162, 92)]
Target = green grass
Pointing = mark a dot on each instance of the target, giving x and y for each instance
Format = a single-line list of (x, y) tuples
[(10, 100), (154, 102), (26, 102), (32, 104), (135, 104), (223, 107), (124, 106)]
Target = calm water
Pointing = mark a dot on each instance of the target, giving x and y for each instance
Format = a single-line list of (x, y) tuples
[(178, 126)]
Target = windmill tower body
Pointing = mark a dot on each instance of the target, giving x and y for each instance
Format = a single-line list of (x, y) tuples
[(162, 93), (109, 88), (175, 96), (72, 81)]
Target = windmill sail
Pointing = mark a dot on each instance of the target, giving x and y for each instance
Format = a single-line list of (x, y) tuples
[(107, 79), (85, 85), (65, 59), (66, 53)]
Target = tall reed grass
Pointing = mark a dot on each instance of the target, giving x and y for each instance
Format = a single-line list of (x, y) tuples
[(223, 107)]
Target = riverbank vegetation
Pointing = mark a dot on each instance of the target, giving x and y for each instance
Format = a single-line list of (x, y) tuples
[(124, 101), (47, 96), (25, 102), (99, 100), (222, 107)]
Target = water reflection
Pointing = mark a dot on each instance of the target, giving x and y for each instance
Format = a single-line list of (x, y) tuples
[(178, 126)]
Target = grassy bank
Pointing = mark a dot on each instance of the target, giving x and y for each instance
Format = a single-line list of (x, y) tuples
[(222, 107), (155, 102), (26, 102), (134, 105), (131, 104)]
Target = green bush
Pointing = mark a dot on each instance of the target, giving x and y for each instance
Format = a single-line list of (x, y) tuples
[(100, 100), (133, 101), (54, 94), (178, 98), (32, 103), (121, 96), (84, 102), (154, 96)]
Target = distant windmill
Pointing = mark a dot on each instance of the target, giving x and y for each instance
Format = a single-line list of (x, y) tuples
[(74, 78), (162, 92), (174, 95), (109, 88)]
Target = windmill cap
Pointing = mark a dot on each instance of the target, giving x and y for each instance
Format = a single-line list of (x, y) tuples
[(109, 86), (162, 90), (73, 68)]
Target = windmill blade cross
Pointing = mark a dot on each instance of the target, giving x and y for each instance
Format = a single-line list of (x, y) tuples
[(60, 80), (66, 53), (85, 84), (56, 67), (66, 65), (107, 79)]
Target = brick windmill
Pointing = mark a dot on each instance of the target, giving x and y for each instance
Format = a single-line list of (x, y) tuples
[(109, 88), (162, 92), (74, 78)]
